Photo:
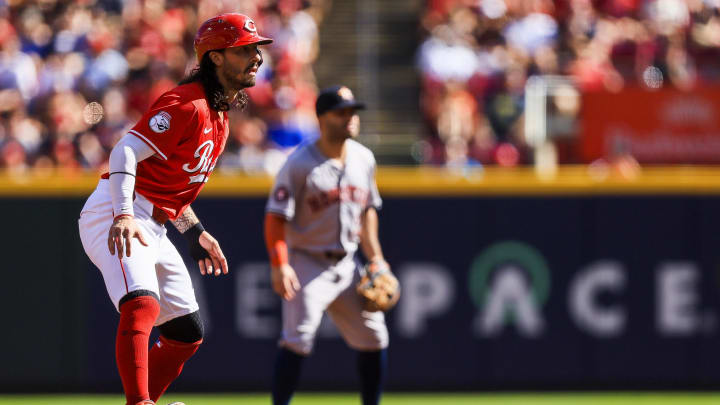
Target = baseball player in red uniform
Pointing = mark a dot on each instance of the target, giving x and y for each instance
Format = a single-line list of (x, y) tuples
[(156, 171)]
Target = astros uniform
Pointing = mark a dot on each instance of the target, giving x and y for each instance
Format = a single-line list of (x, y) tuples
[(323, 202), (187, 138)]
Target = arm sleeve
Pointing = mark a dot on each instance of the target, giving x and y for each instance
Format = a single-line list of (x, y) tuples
[(123, 164), (282, 196), (275, 239)]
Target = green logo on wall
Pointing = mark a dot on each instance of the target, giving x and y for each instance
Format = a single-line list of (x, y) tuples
[(509, 253)]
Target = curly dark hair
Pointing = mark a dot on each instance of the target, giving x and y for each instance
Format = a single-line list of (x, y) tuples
[(214, 92)]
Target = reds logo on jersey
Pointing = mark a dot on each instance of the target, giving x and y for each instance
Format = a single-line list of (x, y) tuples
[(204, 165), (160, 122)]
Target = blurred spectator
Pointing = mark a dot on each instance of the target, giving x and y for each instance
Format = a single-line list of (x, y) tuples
[(249, 148), (17, 69), (58, 56), (534, 30)]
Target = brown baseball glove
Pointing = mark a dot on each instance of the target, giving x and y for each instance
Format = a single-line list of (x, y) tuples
[(379, 287)]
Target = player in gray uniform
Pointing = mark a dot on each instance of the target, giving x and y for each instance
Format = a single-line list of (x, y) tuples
[(321, 208)]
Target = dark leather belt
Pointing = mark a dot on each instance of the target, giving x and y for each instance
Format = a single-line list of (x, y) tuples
[(334, 255), (159, 215)]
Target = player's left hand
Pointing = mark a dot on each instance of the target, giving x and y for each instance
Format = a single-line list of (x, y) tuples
[(378, 287), (377, 264), (216, 263)]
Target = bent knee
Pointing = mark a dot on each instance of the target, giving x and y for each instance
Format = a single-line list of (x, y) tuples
[(371, 340), (187, 328), (302, 345)]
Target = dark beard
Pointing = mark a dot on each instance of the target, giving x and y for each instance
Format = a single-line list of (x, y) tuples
[(242, 84), (234, 82), (241, 101)]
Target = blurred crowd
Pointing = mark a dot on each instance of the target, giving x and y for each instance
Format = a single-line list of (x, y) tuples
[(58, 56), (477, 55), (475, 58)]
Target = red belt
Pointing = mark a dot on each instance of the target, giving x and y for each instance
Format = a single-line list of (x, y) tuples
[(159, 215)]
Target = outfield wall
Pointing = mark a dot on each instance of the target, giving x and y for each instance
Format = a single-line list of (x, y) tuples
[(578, 281)]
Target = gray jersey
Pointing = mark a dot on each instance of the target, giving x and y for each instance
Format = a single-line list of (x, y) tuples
[(323, 200)]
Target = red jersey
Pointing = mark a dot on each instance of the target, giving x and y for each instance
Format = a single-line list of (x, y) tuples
[(187, 137)]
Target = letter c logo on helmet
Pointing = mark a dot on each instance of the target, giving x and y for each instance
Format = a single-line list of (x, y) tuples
[(227, 31), (250, 26)]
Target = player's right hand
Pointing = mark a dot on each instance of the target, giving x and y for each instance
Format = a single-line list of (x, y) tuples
[(284, 281), (122, 231)]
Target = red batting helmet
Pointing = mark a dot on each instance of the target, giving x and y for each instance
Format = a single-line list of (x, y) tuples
[(226, 31)]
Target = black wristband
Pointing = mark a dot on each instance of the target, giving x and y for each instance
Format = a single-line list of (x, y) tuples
[(192, 235)]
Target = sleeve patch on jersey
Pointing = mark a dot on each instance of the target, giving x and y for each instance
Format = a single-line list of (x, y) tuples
[(281, 194), (160, 122)]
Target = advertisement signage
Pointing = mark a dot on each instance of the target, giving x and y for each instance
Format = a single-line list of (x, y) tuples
[(524, 292), (662, 126)]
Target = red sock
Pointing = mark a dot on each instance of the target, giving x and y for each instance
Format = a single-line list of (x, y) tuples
[(167, 358), (137, 317)]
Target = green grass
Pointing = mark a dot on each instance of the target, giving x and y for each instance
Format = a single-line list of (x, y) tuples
[(388, 399)]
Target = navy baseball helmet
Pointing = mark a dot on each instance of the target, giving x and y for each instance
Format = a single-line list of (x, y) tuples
[(335, 98)]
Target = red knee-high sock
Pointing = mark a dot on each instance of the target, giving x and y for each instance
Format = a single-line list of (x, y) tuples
[(167, 358), (137, 317)]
